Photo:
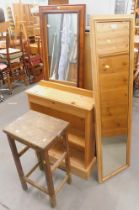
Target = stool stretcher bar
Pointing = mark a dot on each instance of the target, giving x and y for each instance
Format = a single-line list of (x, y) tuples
[(41, 188), (23, 151), (33, 169), (58, 162)]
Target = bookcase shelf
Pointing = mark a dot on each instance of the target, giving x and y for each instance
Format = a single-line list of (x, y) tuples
[(77, 138)]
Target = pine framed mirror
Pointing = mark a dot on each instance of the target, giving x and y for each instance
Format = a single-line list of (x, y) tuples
[(63, 35), (112, 72)]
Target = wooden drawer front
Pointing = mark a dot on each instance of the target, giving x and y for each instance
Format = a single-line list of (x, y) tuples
[(114, 79), (109, 111), (56, 105), (112, 37), (114, 72), (114, 111), (114, 119), (114, 88), (110, 81), (114, 64), (114, 124), (115, 96)]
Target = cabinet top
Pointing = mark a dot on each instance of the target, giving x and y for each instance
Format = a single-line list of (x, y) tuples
[(73, 96)]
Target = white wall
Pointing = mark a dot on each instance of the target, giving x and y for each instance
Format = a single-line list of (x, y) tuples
[(95, 7)]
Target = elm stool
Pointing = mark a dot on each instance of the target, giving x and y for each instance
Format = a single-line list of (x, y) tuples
[(40, 132)]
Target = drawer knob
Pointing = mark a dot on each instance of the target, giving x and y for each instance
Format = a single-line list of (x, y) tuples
[(109, 41), (107, 66)]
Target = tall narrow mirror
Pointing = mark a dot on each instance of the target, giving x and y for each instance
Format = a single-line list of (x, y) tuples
[(112, 55), (63, 43)]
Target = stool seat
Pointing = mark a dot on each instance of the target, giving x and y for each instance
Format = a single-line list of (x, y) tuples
[(36, 129)]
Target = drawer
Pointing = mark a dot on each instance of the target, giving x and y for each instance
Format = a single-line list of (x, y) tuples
[(114, 88), (112, 37), (114, 96), (114, 80), (114, 117), (114, 71), (55, 105), (114, 120), (114, 64), (114, 123)]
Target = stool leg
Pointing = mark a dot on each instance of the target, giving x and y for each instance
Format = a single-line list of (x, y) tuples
[(49, 180), (67, 158), (17, 162), (38, 154)]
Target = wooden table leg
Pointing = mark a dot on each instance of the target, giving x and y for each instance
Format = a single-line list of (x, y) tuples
[(38, 154), (67, 158), (49, 179), (17, 162)]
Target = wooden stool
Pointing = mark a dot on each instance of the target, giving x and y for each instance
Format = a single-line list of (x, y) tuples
[(39, 132)]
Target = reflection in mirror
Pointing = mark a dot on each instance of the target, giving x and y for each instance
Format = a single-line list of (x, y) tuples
[(63, 46), (114, 153)]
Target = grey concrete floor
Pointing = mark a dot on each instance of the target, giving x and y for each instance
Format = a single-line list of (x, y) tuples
[(119, 193)]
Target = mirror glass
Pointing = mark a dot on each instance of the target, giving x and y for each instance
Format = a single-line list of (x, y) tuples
[(114, 84), (63, 43)]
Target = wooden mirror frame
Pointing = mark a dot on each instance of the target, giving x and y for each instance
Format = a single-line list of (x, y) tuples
[(55, 2), (96, 90), (80, 9)]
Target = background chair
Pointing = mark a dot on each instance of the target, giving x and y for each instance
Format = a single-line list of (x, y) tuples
[(12, 57), (4, 70), (4, 79), (33, 62)]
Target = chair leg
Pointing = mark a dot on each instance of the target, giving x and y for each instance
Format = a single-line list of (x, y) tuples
[(23, 74), (9, 84), (25, 80), (49, 180), (1, 97), (25, 77), (17, 162)]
